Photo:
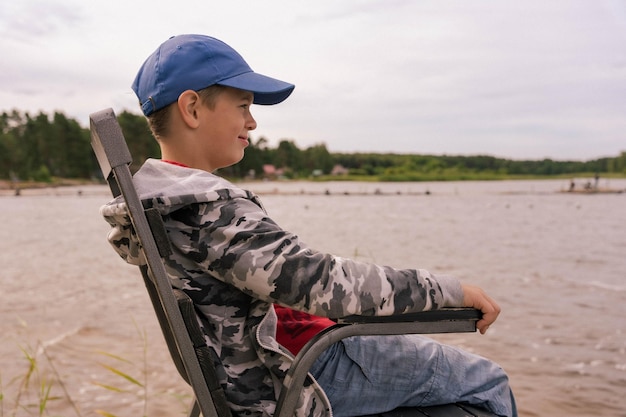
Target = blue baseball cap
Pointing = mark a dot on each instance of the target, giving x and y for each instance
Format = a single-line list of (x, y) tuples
[(194, 62)]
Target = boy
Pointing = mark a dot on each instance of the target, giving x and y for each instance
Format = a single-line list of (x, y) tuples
[(260, 291)]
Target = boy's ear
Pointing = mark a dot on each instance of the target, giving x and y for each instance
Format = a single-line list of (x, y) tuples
[(188, 105)]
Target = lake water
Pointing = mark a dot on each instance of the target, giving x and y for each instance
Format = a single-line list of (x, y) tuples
[(555, 262)]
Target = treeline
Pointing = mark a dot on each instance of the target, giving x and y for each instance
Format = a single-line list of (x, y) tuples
[(43, 147), (393, 167)]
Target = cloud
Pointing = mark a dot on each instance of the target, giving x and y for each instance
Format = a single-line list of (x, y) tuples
[(523, 79), (28, 21)]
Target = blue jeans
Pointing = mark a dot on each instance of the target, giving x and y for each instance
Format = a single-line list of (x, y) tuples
[(372, 374)]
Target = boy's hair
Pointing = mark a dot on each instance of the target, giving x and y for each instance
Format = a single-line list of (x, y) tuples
[(159, 120)]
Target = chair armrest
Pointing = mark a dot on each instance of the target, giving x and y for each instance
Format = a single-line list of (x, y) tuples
[(445, 314), (449, 320)]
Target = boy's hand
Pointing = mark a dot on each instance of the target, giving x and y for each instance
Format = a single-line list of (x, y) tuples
[(477, 298)]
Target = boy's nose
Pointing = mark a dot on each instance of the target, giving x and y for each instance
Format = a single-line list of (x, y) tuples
[(251, 123)]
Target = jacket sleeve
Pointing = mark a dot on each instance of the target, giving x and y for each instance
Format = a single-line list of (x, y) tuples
[(236, 242)]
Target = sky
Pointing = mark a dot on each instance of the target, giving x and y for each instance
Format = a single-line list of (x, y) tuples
[(528, 79)]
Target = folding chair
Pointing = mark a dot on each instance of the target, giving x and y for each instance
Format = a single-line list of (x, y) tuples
[(177, 316)]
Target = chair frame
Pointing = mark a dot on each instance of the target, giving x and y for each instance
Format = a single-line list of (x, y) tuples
[(177, 316)]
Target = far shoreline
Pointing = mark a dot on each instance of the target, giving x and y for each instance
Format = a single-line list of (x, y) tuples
[(6, 184), (84, 187)]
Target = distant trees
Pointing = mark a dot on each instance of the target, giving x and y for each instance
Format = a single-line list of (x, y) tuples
[(390, 167), (42, 147)]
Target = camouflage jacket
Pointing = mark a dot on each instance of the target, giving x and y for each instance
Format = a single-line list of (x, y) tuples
[(235, 263)]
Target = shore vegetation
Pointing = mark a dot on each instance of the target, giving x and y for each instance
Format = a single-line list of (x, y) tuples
[(51, 150)]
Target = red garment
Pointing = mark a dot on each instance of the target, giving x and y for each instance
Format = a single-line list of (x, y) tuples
[(175, 163), (295, 328)]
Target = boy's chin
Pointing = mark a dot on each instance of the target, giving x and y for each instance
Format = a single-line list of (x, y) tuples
[(233, 162)]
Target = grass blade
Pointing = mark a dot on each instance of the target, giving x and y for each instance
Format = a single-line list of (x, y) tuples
[(122, 374)]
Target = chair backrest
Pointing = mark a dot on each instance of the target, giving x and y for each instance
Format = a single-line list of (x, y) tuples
[(173, 308)]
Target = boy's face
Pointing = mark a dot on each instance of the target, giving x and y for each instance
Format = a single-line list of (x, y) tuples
[(224, 129)]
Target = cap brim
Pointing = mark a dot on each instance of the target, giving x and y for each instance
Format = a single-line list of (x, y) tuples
[(266, 90)]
